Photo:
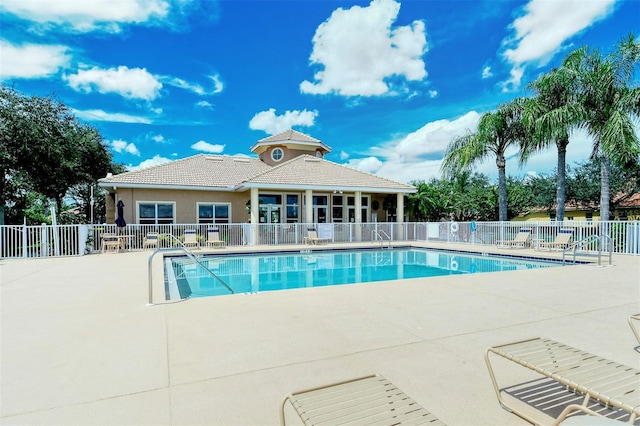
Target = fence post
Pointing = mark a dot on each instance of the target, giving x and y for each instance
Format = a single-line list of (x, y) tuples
[(44, 243), (24, 239), (83, 233)]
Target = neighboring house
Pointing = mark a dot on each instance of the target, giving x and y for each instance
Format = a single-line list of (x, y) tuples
[(290, 182), (627, 209)]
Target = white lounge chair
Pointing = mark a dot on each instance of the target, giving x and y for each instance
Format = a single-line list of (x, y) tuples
[(634, 323), (312, 237), (151, 240), (562, 240), (213, 238), (191, 238), (521, 240), (366, 400), (596, 379)]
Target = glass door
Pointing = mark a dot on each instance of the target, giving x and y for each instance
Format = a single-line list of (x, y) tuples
[(320, 209)]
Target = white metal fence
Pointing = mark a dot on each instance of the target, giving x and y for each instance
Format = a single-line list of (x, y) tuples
[(17, 241)]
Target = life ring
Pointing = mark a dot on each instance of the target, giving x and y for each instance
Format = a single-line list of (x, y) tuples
[(454, 265), (454, 227)]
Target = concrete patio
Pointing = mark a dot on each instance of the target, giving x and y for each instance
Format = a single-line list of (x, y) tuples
[(81, 346)]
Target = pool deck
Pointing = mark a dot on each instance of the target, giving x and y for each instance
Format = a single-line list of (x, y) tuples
[(79, 345)]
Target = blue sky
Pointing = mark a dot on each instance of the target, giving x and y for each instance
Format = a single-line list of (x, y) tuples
[(386, 84)]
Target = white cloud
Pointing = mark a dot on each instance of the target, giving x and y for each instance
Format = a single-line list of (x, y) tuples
[(433, 137), (158, 138), (100, 115), (124, 146), (272, 123), (433, 93), (486, 72), (344, 155), (359, 51), (204, 104), (131, 83), (540, 31), (208, 147), (418, 156), (32, 60), (368, 164), (218, 86), (85, 16), (155, 161)]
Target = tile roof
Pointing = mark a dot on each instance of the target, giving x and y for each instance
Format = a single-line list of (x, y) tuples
[(223, 172), (197, 171), (306, 170), (289, 135)]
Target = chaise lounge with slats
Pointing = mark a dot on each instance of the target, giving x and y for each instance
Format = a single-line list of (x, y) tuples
[(366, 400), (520, 241), (596, 379), (312, 237), (634, 323)]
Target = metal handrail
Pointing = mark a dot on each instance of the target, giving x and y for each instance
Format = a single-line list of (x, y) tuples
[(587, 240), (378, 235), (189, 254)]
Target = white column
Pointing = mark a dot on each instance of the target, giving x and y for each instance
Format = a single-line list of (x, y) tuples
[(400, 216), (255, 204), (308, 206), (358, 207)]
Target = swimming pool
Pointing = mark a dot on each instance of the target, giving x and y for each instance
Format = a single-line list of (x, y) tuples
[(260, 272)]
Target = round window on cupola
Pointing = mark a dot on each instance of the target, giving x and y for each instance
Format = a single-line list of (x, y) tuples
[(277, 154), (319, 154)]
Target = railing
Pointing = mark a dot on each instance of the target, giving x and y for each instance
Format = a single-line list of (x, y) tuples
[(587, 243), (190, 255), (77, 240), (377, 235)]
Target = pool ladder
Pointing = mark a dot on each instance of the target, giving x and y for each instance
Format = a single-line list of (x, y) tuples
[(377, 235), (584, 242), (190, 255)]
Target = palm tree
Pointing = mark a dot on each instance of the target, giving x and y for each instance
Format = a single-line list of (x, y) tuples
[(496, 132), (611, 104), (552, 114)]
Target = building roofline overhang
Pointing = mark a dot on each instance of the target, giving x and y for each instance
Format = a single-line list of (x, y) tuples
[(318, 144), (327, 188), (126, 185)]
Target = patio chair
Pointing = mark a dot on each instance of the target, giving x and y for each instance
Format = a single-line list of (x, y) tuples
[(312, 237), (110, 242), (190, 238), (521, 240), (595, 380), (370, 399), (213, 238), (635, 319), (151, 240), (562, 240)]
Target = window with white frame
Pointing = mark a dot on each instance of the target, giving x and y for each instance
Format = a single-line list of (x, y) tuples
[(214, 213), (277, 154), (293, 212), (156, 213)]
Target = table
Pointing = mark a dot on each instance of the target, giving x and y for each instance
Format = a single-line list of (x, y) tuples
[(114, 241), (535, 243)]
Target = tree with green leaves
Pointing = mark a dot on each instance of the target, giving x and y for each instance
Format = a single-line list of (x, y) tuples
[(583, 184), (611, 104), (497, 131), (427, 203), (551, 114), (45, 147)]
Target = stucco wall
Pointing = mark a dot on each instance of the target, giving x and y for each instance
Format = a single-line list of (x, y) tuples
[(186, 203)]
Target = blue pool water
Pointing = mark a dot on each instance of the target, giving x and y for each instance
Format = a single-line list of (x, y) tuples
[(279, 271)]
